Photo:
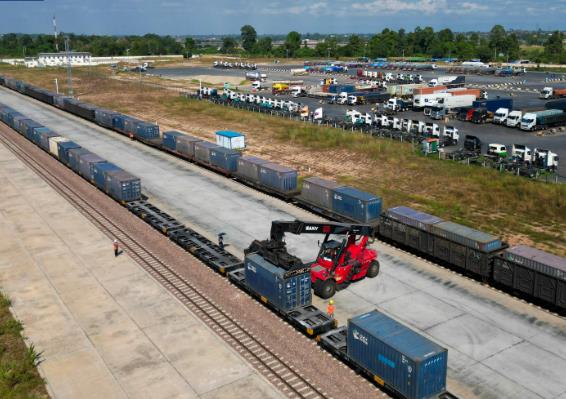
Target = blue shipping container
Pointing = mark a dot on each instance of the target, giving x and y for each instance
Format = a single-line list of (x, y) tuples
[(119, 122), (99, 171), (74, 157), (63, 150), (44, 137), (286, 290), (277, 177), (170, 139), (224, 158), (28, 125), (104, 117), (411, 217), (355, 204), (146, 131), (397, 356), (86, 165), (494, 104)]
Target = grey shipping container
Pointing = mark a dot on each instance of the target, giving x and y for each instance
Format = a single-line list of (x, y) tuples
[(467, 236), (533, 272), (284, 289), (224, 158), (202, 151), (356, 205), (248, 168), (63, 150), (278, 177), (397, 356), (123, 186), (44, 137), (186, 145), (74, 157), (37, 134), (87, 162), (170, 139), (104, 117), (318, 191)]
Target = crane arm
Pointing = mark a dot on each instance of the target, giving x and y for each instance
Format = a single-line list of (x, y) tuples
[(280, 227)]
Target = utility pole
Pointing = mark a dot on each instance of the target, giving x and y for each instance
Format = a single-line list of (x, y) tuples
[(69, 71), (55, 34)]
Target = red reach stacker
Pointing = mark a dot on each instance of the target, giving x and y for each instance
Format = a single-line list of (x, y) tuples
[(337, 264)]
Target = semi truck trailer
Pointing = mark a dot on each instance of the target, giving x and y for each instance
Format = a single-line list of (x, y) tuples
[(543, 119)]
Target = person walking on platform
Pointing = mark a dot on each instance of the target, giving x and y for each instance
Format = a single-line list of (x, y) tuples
[(330, 308), (116, 248)]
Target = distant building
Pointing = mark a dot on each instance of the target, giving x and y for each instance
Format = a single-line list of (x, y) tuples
[(60, 59)]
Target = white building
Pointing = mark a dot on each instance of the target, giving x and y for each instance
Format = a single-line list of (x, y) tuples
[(60, 59)]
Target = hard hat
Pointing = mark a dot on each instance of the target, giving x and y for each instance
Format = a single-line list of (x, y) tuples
[(332, 302)]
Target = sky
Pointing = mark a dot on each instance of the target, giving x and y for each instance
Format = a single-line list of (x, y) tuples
[(192, 17)]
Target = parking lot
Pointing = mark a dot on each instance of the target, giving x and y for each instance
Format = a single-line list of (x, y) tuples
[(523, 89)]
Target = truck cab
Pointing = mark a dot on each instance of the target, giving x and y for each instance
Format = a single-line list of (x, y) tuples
[(497, 150), (450, 135), (522, 153), (431, 130), (437, 112), (297, 91), (514, 119), (481, 116), (342, 98), (500, 116), (529, 121), (546, 159), (546, 93), (396, 104)]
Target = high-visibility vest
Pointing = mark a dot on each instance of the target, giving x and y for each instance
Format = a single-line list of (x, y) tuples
[(330, 309)]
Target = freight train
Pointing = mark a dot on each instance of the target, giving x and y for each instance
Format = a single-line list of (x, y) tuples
[(288, 290), (466, 250)]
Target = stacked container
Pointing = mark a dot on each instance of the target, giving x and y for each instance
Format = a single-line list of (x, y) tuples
[(248, 168), (146, 131), (202, 151), (123, 186), (356, 205), (54, 145), (104, 117), (185, 145), (319, 192), (86, 165), (397, 356), (285, 289), (467, 236), (278, 178), (231, 140), (224, 159)]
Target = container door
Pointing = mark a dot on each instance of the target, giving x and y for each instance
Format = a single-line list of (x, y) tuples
[(458, 255), (442, 249), (432, 377), (524, 280), (545, 287)]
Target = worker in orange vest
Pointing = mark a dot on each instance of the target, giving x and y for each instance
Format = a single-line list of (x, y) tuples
[(116, 247), (330, 308)]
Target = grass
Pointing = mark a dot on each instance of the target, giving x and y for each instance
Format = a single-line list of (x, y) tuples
[(520, 210), (19, 378)]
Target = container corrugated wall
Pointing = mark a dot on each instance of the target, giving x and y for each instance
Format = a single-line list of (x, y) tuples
[(123, 186), (537, 260), (99, 174), (248, 168), (411, 217), (224, 158), (356, 205), (279, 178), (269, 281), (86, 165), (104, 117), (202, 151), (74, 158), (319, 191), (186, 145), (397, 356), (63, 150), (170, 140)]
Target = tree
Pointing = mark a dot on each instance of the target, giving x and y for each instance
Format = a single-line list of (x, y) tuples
[(554, 47), (292, 43), (497, 39), (190, 44), (249, 37), (512, 46), (228, 45), (263, 46)]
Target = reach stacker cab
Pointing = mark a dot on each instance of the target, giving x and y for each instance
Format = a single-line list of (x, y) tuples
[(337, 264)]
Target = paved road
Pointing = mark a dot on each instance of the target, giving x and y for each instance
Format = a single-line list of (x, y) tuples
[(498, 346)]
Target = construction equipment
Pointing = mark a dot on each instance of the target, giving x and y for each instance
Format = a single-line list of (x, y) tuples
[(337, 264)]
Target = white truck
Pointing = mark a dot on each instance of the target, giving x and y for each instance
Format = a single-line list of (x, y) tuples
[(431, 130), (342, 98), (451, 102), (450, 136), (396, 104), (446, 80), (546, 159), (500, 116), (514, 119), (549, 92), (522, 153)]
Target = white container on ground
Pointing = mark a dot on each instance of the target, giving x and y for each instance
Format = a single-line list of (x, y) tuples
[(231, 140)]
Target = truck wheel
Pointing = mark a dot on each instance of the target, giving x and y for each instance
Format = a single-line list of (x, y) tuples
[(373, 269), (325, 288)]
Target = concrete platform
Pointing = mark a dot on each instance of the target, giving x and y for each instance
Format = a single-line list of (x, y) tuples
[(106, 328), (447, 307)]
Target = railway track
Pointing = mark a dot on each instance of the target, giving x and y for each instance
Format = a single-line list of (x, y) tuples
[(290, 381)]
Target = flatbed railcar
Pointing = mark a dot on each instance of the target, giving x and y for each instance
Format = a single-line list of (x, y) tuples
[(471, 261)]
